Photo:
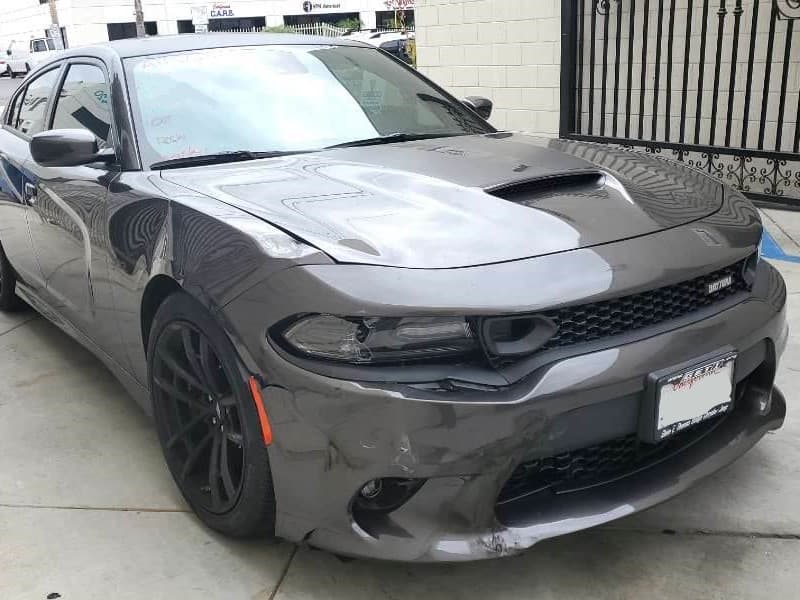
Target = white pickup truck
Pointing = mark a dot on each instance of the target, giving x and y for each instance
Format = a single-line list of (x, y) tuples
[(21, 57)]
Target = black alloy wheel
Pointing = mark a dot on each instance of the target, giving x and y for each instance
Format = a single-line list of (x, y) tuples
[(207, 420), (200, 416)]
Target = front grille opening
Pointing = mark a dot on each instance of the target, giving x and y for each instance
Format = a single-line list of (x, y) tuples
[(509, 330), (599, 320), (615, 459), (610, 462), (599, 464), (517, 335)]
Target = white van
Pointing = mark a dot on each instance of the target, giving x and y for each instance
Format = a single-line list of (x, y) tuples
[(41, 50), (15, 60)]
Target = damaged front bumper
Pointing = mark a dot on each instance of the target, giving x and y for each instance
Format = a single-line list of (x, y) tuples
[(435, 525), (332, 436)]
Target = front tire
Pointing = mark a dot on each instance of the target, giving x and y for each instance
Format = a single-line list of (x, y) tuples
[(8, 284), (207, 421)]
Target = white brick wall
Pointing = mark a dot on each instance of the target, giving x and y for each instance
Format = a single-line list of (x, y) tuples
[(509, 50), (506, 50)]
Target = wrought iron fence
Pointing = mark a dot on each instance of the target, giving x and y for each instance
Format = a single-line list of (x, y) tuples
[(712, 83), (323, 29), (320, 29)]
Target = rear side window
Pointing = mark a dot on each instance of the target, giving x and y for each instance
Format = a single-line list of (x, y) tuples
[(33, 111), (83, 103)]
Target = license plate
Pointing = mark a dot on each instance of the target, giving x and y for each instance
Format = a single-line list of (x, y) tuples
[(694, 395)]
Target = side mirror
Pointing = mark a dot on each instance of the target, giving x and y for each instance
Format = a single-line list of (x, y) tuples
[(482, 106), (68, 148), (8, 51)]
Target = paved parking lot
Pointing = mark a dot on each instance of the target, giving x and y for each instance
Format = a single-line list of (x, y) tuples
[(7, 87), (88, 509)]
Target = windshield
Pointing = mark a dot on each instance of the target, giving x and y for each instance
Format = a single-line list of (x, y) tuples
[(282, 99)]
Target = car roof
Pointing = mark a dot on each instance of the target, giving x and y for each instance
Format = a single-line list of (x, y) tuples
[(374, 34), (163, 44), (391, 37)]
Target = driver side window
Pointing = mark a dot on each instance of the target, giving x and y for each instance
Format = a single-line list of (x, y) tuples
[(83, 103)]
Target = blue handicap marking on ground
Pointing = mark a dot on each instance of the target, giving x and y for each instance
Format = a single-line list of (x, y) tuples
[(771, 249)]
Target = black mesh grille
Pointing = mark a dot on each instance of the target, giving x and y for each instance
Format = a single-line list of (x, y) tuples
[(596, 464), (587, 322)]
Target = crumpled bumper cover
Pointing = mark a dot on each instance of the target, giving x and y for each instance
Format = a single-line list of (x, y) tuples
[(331, 436), (418, 532)]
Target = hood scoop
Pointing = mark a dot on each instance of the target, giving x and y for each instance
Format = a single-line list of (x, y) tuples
[(530, 190)]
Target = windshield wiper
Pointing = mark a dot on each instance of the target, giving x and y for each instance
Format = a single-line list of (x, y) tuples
[(392, 138), (219, 158)]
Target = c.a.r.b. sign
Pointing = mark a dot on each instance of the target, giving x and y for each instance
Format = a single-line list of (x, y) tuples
[(221, 10)]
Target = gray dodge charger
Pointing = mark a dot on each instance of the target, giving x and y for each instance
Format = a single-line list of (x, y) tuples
[(363, 318)]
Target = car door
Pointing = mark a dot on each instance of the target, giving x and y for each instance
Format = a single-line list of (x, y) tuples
[(68, 210), (26, 115)]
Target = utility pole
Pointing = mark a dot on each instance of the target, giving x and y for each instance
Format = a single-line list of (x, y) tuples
[(55, 27), (137, 8)]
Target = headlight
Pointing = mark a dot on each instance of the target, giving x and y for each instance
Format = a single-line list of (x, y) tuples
[(750, 269), (375, 340)]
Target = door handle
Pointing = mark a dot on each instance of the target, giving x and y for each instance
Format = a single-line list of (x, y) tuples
[(30, 193)]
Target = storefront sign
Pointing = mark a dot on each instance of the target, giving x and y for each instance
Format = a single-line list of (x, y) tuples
[(400, 4), (309, 6), (221, 11)]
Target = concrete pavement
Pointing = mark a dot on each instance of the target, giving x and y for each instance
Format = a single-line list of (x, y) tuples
[(7, 87), (88, 509)]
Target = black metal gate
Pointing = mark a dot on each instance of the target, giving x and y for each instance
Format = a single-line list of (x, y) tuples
[(713, 83)]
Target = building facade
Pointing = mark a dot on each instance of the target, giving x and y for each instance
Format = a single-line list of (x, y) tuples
[(505, 50), (92, 21)]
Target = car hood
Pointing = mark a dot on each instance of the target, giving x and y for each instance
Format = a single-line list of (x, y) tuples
[(461, 201)]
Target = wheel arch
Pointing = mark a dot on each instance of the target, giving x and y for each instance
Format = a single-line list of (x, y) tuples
[(212, 252), (158, 289), (161, 287)]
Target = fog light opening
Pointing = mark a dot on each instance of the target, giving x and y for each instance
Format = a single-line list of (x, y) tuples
[(382, 496), (371, 489)]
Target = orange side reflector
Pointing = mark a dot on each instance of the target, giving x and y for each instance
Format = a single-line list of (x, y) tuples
[(266, 428)]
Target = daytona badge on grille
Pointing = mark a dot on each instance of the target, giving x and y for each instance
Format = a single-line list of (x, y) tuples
[(719, 284)]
